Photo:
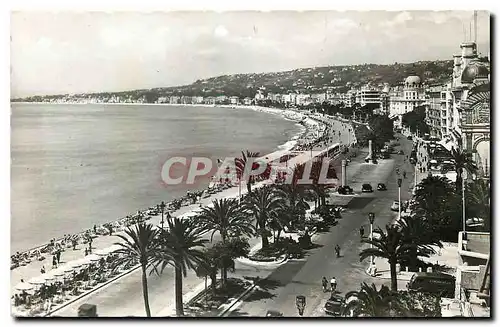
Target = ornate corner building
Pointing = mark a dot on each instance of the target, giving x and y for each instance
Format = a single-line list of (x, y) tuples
[(464, 104)]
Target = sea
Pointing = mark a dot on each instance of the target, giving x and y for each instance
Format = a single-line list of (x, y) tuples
[(76, 165)]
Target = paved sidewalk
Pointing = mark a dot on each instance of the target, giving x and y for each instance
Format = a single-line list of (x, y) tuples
[(101, 242)]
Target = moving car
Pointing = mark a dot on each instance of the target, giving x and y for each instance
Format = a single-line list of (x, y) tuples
[(366, 188), (395, 206), (437, 283), (381, 187), (334, 305), (345, 190)]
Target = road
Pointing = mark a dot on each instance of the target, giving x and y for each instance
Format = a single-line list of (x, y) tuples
[(304, 277), (124, 296)]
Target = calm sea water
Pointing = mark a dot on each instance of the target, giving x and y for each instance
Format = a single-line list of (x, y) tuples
[(74, 166)]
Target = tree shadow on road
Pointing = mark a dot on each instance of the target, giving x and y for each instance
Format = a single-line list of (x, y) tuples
[(263, 288), (314, 246)]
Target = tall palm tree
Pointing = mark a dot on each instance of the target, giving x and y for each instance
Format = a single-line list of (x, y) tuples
[(182, 244), (241, 163), (462, 162), (279, 220), (389, 245), (139, 245), (431, 196), (369, 301), (419, 236), (227, 218), (263, 204), (478, 196)]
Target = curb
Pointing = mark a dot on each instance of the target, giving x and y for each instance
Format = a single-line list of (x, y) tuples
[(232, 304), (92, 290)]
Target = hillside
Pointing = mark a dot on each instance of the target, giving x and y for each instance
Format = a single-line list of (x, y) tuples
[(305, 80)]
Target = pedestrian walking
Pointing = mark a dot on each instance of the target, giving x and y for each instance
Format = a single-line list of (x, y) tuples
[(361, 231), (54, 262), (95, 228), (404, 174), (86, 252), (74, 244)]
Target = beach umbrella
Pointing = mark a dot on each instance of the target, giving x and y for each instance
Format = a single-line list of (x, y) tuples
[(37, 280), (114, 248), (102, 252), (93, 257), (78, 263), (22, 286), (57, 272)]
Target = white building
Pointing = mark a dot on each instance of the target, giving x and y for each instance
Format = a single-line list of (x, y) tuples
[(406, 98)]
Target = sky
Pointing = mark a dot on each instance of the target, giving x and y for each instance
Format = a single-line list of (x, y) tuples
[(77, 52)]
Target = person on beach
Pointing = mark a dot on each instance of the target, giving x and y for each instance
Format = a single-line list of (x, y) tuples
[(86, 252), (42, 270), (95, 229), (58, 253), (74, 244), (54, 262)]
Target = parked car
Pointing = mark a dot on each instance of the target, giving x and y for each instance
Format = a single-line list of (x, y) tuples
[(366, 188), (381, 187), (395, 206), (334, 305), (409, 138), (474, 222), (437, 283), (401, 152), (345, 190), (273, 313)]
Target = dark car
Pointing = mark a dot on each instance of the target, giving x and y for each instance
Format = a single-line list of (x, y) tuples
[(273, 313), (345, 190), (409, 138), (401, 152), (334, 305), (437, 283), (366, 188), (381, 187)]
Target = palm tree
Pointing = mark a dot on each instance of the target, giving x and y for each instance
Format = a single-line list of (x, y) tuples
[(279, 220), (242, 162), (139, 244), (264, 203), (227, 218), (432, 194), (389, 245), (182, 244), (462, 162), (478, 198), (369, 302), (419, 236)]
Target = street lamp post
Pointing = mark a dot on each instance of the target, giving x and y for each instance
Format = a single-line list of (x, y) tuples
[(464, 176), (300, 302), (162, 208), (399, 206), (371, 268)]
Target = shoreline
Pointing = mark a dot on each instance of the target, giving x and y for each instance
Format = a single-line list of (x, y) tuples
[(186, 211), (287, 146)]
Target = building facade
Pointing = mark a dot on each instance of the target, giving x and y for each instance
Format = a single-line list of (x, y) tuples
[(406, 98)]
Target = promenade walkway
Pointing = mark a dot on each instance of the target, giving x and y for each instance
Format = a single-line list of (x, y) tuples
[(33, 269)]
